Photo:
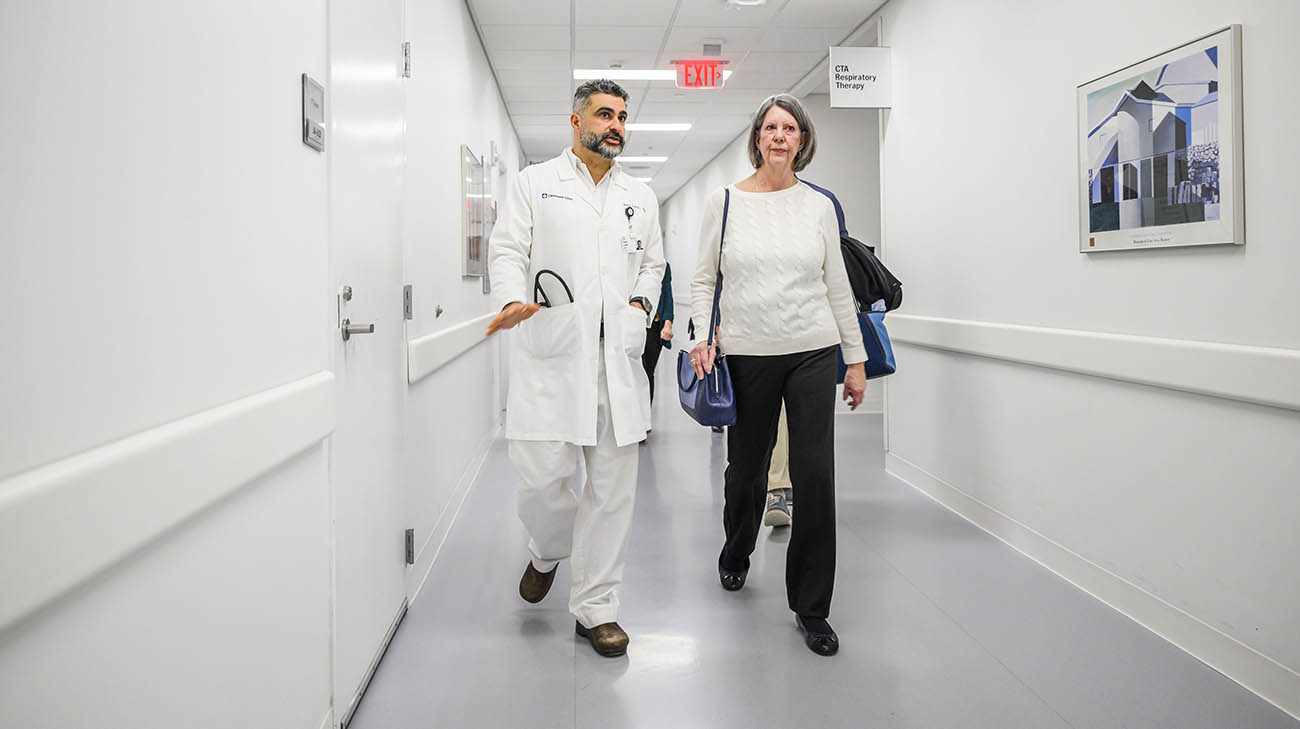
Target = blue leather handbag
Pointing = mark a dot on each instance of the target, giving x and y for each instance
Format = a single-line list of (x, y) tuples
[(710, 401), (880, 353)]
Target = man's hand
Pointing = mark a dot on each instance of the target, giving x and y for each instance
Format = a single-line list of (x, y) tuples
[(855, 384), (512, 314), (667, 333)]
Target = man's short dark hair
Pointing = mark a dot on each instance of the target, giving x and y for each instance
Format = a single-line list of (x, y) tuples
[(582, 97)]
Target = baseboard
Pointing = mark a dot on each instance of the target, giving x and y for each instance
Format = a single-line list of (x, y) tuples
[(1256, 672), (428, 552), (374, 666)]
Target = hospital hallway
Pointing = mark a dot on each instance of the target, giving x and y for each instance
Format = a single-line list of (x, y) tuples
[(285, 283), (941, 625)]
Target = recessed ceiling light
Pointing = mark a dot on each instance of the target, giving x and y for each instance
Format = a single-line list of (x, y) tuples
[(737, 4), (642, 159), (632, 74), (655, 127)]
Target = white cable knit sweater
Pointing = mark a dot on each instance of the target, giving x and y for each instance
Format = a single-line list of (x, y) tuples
[(784, 288)]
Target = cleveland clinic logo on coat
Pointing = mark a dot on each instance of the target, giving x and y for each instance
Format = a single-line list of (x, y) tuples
[(548, 195)]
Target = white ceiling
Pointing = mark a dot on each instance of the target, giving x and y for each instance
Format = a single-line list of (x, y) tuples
[(534, 45)]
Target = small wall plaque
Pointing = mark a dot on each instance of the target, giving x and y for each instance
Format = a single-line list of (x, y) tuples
[(313, 113)]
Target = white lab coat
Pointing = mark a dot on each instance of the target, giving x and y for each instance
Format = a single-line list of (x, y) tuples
[(551, 221)]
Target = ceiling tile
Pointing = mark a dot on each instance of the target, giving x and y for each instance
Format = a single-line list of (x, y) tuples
[(715, 13), (516, 77), (646, 38), (539, 108), (525, 37), (532, 12), (782, 62), (724, 123), (559, 121), (801, 39), (503, 60), (598, 13), (690, 41), (846, 14), (539, 92), (770, 81), (603, 59)]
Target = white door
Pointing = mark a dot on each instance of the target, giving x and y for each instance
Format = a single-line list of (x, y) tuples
[(366, 146)]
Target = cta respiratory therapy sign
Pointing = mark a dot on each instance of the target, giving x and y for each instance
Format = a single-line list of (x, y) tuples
[(861, 77)]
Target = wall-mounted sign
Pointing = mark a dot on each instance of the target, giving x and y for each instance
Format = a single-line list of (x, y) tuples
[(699, 74), (861, 77), (313, 113)]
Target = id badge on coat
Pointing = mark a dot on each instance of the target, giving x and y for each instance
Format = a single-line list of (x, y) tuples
[(632, 244)]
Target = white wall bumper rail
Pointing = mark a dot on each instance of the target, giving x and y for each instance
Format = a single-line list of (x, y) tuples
[(1260, 375), (63, 523), (426, 354)]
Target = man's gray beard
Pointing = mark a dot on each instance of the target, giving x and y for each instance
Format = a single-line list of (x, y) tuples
[(593, 143)]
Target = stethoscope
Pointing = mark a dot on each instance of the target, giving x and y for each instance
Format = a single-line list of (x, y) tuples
[(539, 293)]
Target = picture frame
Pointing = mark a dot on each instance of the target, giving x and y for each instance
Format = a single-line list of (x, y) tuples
[(474, 202), (1160, 150)]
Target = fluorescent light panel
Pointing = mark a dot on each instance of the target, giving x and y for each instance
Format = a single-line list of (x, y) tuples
[(632, 74), (658, 127)]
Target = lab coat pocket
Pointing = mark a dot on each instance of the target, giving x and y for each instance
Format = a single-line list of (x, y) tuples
[(551, 332), (634, 329)]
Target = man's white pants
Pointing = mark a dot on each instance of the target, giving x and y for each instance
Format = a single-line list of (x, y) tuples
[(591, 530)]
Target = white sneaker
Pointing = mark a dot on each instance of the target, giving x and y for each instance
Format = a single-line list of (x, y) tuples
[(778, 510)]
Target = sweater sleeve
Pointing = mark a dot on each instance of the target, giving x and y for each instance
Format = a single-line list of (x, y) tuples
[(839, 292), (706, 267)]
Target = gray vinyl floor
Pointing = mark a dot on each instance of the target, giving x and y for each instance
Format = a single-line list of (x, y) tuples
[(941, 625)]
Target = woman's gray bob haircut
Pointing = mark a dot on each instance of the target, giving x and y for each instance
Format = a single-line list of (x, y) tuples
[(582, 96), (809, 135)]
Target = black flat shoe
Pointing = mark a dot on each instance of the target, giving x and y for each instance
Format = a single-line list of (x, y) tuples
[(818, 635), (732, 580)]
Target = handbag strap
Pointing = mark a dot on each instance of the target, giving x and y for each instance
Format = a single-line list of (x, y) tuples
[(716, 316)]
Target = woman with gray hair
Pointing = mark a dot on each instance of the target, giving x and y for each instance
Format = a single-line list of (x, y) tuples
[(785, 306)]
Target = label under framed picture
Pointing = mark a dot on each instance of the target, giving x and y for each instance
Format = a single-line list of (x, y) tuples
[(1160, 150)]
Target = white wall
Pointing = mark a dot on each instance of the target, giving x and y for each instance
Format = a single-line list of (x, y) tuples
[(453, 413), (164, 513), (847, 163), (1174, 505), (165, 540)]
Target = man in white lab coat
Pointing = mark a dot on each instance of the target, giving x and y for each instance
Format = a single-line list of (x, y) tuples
[(576, 263)]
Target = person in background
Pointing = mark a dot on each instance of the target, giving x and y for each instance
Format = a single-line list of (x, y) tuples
[(785, 306), (780, 492), (660, 334)]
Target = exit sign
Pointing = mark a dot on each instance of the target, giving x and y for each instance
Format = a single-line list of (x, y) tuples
[(699, 74)]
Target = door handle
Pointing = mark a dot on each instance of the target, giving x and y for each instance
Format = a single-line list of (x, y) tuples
[(348, 329)]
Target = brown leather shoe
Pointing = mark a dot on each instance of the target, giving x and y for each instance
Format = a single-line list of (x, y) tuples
[(607, 638), (534, 585)]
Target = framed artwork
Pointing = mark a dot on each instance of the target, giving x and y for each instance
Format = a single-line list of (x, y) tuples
[(1160, 161), (474, 201)]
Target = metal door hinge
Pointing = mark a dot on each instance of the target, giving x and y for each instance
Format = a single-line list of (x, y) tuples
[(406, 59), (410, 546), (408, 309)]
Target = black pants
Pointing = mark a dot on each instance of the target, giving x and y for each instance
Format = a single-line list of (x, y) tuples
[(650, 357), (806, 381)]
